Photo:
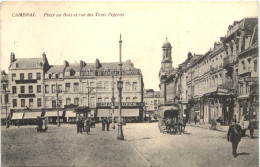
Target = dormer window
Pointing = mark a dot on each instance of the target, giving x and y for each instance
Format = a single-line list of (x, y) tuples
[(49, 76), (72, 72), (56, 76)]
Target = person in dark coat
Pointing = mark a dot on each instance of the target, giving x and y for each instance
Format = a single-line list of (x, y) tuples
[(78, 124), (195, 119), (251, 129), (108, 124), (234, 136), (103, 124), (88, 125)]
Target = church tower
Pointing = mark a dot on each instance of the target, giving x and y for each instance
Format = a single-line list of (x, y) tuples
[(166, 63)]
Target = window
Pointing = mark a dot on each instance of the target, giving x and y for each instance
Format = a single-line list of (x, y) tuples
[(60, 88), (106, 99), (92, 84), (106, 85), (22, 89), (76, 101), (14, 103), (60, 103), (46, 88), (38, 75), (49, 76), (99, 85), (38, 88), (39, 102), (21, 76), (243, 64), (14, 89), (67, 87), (72, 72), (53, 88), (30, 89), (127, 86), (56, 76), (30, 102), (53, 103), (92, 101), (255, 65), (127, 99), (84, 86), (99, 100), (68, 101), (29, 75), (22, 102), (134, 85), (76, 87), (13, 76)]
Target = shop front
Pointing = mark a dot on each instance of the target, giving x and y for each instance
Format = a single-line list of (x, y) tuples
[(131, 111)]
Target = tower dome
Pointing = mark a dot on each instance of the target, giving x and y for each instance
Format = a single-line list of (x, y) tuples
[(166, 44)]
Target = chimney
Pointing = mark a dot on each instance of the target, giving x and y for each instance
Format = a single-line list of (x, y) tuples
[(43, 57), (98, 65), (12, 58), (65, 63), (81, 63)]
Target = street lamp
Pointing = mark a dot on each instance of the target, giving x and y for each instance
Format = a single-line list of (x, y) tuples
[(113, 103), (120, 135)]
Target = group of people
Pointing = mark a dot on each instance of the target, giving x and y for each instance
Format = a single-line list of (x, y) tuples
[(83, 125), (42, 124), (105, 123)]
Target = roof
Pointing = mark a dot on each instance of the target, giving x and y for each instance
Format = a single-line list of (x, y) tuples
[(4, 76), (166, 44), (28, 62), (75, 66), (152, 94), (56, 69)]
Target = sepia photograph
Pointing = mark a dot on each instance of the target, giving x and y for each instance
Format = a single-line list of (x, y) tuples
[(136, 84)]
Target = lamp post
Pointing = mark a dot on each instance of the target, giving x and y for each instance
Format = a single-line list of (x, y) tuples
[(57, 104), (6, 97), (113, 103), (120, 135)]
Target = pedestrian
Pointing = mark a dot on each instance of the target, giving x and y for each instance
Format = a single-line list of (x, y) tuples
[(39, 124), (195, 119), (108, 123), (18, 124), (251, 129), (81, 124), (103, 124), (88, 125), (44, 124), (234, 136), (77, 124)]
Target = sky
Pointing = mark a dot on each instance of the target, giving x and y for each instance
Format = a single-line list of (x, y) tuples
[(189, 26)]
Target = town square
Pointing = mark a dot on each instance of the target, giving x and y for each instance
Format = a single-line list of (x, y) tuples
[(123, 86)]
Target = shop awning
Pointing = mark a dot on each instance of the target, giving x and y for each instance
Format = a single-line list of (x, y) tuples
[(17, 116), (32, 115), (53, 114), (125, 112), (168, 108), (70, 114), (243, 96)]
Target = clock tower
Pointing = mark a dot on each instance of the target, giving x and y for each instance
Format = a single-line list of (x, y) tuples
[(166, 63)]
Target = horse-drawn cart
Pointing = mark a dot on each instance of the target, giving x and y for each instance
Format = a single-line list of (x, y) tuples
[(170, 120)]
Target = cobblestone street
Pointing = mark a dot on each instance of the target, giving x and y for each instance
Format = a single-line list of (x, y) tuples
[(144, 145)]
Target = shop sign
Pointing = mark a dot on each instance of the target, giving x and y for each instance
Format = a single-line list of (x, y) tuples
[(222, 90), (127, 104), (251, 79)]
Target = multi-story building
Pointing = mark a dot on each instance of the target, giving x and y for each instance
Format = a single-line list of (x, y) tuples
[(59, 90), (151, 101), (5, 96), (26, 78)]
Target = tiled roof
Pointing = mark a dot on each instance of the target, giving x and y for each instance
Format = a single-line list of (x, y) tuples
[(28, 62), (56, 69), (74, 66)]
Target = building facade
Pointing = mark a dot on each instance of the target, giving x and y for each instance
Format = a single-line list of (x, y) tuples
[(5, 97), (61, 90), (221, 84), (151, 102)]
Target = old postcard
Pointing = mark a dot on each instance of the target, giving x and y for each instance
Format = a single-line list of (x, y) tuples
[(171, 83)]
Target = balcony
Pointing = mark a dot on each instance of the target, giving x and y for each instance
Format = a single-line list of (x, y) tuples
[(26, 81), (26, 95)]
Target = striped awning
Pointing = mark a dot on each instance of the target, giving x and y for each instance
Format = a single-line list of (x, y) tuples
[(125, 112), (17, 116), (32, 115), (53, 114), (70, 114)]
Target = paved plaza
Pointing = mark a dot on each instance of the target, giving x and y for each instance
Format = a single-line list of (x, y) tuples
[(144, 145)]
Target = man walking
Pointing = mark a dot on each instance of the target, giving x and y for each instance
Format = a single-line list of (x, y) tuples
[(195, 119), (108, 123), (234, 136)]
